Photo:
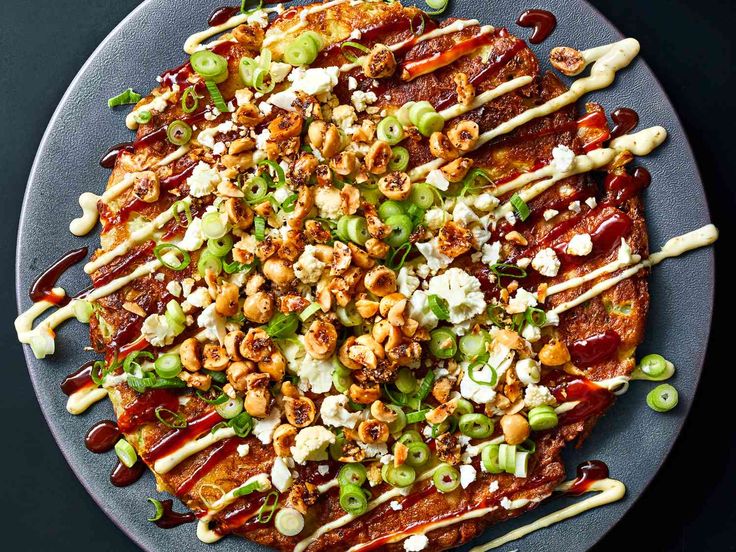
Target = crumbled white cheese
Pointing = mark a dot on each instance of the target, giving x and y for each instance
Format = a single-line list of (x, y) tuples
[(625, 256), (493, 487), (574, 206), (203, 180), (279, 71), (523, 262), (580, 245), (243, 450), (262, 139), (546, 262), (219, 148), (435, 218), (281, 475), (486, 202), (531, 333), (352, 83), (491, 253), (435, 259), (521, 301), (265, 108), (553, 319), (344, 116), (477, 392), (258, 17), (329, 202), (386, 459), (335, 414), (315, 375), (563, 158), (356, 34), (462, 293), (437, 179), (406, 281), (468, 474), (263, 428), (464, 215), (193, 238), (416, 543), (591, 202), (310, 443), (510, 218), (308, 268), (174, 288), (373, 450), (395, 505), (537, 395), (506, 503), (549, 214), (284, 99), (213, 324), (419, 310), (157, 330), (200, 298), (361, 100), (323, 469), (314, 81)]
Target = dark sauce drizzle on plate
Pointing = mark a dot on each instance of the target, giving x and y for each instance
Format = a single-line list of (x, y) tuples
[(170, 519), (542, 21), (102, 437), (41, 288)]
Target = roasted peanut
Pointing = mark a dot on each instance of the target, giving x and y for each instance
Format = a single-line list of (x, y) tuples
[(344, 163), (278, 271), (232, 344), (366, 308), (396, 186), (554, 353), (286, 125), (405, 354), (401, 453), (274, 365), (189, 353), (378, 157), (567, 61), (341, 258), (464, 135), (441, 146), (215, 357), (376, 248), (236, 374), (515, 428), (257, 402), (465, 90), (226, 302), (389, 301), (257, 345), (283, 439), (440, 413), (379, 63), (238, 213), (380, 281), (250, 36), (364, 395), (146, 186), (456, 170), (259, 307), (373, 431), (382, 412), (299, 412), (303, 169), (198, 380)]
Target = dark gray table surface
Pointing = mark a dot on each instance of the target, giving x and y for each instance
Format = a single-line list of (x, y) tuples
[(689, 506)]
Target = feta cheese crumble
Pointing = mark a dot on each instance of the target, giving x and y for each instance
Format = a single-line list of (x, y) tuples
[(203, 181), (546, 262), (335, 414), (416, 543), (437, 179), (580, 245), (563, 158), (468, 474), (157, 330)]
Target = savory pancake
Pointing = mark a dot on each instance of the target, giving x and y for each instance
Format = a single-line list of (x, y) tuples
[(362, 276)]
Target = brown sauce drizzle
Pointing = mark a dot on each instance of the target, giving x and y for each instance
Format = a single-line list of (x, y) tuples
[(41, 288), (102, 437), (593, 399), (588, 473), (221, 15), (542, 21), (624, 186), (170, 519), (122, 476), (176, 438), (107, 161), (595, 348), (78, 380), (143, 408), (624, 121), (214, 457)]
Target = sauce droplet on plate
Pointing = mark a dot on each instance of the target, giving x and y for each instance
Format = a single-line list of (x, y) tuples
[(102, 437), (542, 21)]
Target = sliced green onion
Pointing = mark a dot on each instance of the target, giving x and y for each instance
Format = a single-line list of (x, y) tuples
[(405, 382), (418, 416), (357, 229), (158, 512), (399, 159), (175, 312), (289, 204), (82, 310), (403, 114), (422, 195), (507, 457), (521, 464), (168, 366), (489, 457), (418, 454), (425, 387), (161, 249), (439, 6), (126, 453), (508, 270), (247, 489), (400, 422), (390, 130), (265, 513), (439, 306), (99, 371), (307, 313), (398, 256), (209, 263), (350, 56), (389, 208), (468, 185), (213, 226), (352, 474), (416, 110), (479, 364), (289, 522), (430, 123), (520, 206), (446, 478), (401, 228), (242, 424), (220, 246), (178, 133), (398, 476), (663, 398), (653, 365), (210, 66), (259, 228), (353, 500), (463, 406), (442, 343), (348, 315), (230, 408), (180, 206), (143, 117), (131, 364), (476, 426), (255, 190), (342, 382), (474, 344), (410, 436), (214, 395), (126, 97), (169, 418), (302, 51), (282, 325), (259, 83), (535, 317), (542, 417), (186, 105), (216, 96), (276, 169)]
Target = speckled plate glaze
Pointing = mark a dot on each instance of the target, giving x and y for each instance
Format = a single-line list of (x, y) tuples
[(632, 439)]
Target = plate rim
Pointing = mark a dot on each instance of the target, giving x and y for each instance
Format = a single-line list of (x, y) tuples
[(136, 536)]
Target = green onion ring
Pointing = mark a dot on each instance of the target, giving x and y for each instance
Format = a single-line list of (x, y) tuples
[(180, 206), (662, 398), (219, 399), (175, 419), (216, 96), (352, 58), (162, 248), (439, 306), (187, 107), (178, 133), (508, 270), (158, 509), (265, 513)]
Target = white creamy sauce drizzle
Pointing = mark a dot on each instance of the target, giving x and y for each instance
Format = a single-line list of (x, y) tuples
[(347, 518), (608, 59), (485, 97), (610, 491), (79, 401), (455, 27), (169, 462), (676, 246), (642, 143)]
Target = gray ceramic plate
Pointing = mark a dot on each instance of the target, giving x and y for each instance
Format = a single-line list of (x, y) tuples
[(631, 439)]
